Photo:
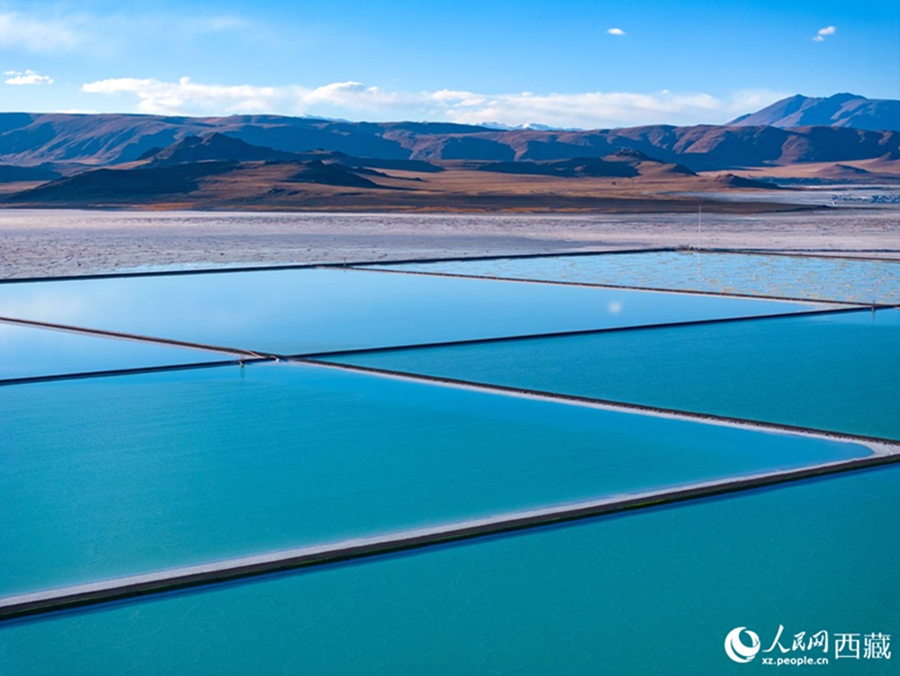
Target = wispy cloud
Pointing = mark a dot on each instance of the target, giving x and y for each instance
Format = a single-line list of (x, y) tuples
[(43, 35), (65, 31), (585, 110), (589, 109), (28, 77), (824, 32), (216, 24), (615, 31)]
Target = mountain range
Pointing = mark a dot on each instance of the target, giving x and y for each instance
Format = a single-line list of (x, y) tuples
[(66, 142), (274, 162)]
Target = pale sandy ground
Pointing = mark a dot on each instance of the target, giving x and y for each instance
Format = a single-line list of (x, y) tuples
[(53, 243)]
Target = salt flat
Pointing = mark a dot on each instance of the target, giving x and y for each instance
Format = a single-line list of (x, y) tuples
[(39, 243)]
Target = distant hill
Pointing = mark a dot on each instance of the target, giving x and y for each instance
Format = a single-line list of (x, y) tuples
[(623, 164), (213, 147), (732, 181), (840, 110), (219, 147), (843, 172), (176, 182), (330, 174), (10, 173), (111, 186), (74, 142)]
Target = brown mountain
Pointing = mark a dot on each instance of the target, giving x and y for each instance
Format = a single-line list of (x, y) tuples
[(840, 110)]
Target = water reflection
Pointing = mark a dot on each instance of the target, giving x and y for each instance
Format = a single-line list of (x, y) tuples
[(302, 311)]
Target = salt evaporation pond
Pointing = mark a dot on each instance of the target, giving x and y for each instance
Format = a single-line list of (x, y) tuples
[(106, 477), (111, 476), (290, 312), (837, 372), (819, 278), (651, 592)]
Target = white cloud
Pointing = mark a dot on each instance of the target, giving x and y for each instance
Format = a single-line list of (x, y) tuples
[(616, 31), (29, 77), (188, 97), (355, 99), (18, 31), (357, 96), (589, 109), (823, 33)]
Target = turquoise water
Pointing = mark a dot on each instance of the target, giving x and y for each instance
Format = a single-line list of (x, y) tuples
[(27, 352), (105, 477), (834, 372), (302, 311), (786, 276), (652, 592)]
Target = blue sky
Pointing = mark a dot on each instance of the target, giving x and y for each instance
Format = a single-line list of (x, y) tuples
[(569, 63)]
